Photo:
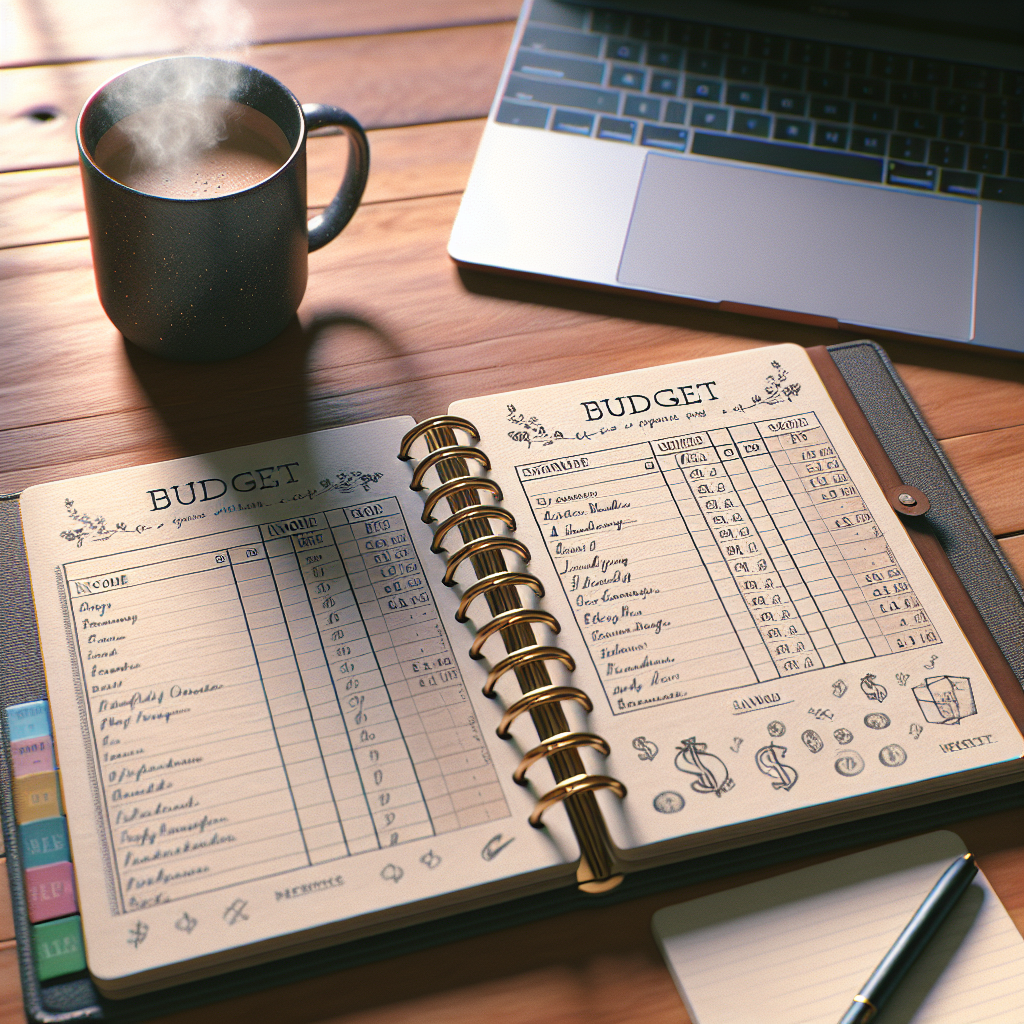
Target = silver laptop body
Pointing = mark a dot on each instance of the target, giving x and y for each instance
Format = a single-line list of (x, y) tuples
[(861, 168)]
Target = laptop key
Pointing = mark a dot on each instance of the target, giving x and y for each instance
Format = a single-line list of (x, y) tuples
[(557, 14), (867, 89), (627, 78), (652, 30), (789, 130), (751, 124), (830, 110), (833, 138), (1004, 108), (849, 59), (931, 72), (623, 49), (977, 79), (745, 96), (904, 95), (572, 121), (533, 62), (907, 147), (1015, 165), (960, 183), (919, 176), (868, 142), (796, 158), (1013, 83), (917, 122), (766, 47), (670, 57), (947, 154), (961, 129), (830, 83), (987, 161), (601, 100), (682, 33), (664, 138), (787, 78), (663, 84), (675, 113), (521, 114), (743, 69), (890, 65), (609, 21), (710, 117), (964, 104), (1015, 136), (807, 53), (870, 116), (727, 40), (793, 103), (703, 63), (616, 129), (702, 89), (1003, 188), (643, 106), (540, 37)]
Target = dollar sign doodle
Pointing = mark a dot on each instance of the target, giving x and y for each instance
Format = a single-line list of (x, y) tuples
[(768, 760), (648, 750), (712, 774)]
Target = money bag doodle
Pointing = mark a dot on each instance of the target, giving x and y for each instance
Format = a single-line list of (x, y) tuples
[(648, 751), (186, 923), (391, 873), (838, 688), (873, 690), (916, 730), (769, 760), (712, 774)]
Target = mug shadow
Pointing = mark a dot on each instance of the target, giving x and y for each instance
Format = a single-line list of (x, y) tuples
[(260, 396)]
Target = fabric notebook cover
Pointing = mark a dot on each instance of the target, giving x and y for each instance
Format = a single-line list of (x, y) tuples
[(920, 461)]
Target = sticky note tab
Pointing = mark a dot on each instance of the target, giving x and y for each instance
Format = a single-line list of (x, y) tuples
[(44, 842), (29, 757), (51, 891), (58, 947), (25, 721), (36, 796)]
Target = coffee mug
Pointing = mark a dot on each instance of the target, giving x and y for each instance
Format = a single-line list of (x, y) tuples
[(194, 174)]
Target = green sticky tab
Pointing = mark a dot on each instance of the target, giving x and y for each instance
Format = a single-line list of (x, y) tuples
[(58, 947)]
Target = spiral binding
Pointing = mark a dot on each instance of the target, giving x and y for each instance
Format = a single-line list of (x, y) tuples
[(526, 658)]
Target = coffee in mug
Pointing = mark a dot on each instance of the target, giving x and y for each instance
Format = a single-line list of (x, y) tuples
[(198, 223)]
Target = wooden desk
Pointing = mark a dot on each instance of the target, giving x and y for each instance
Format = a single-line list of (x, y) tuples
[(388, 325)]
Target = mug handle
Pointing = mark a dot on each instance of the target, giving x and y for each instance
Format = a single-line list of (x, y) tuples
[(327, 225)]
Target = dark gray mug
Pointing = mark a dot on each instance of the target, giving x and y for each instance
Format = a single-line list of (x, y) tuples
[(212, 277)]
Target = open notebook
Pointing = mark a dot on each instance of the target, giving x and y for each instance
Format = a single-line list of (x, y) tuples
[(276, 723), (796, 948)]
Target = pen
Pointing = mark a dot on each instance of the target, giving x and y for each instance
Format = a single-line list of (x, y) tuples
[(907, 948)]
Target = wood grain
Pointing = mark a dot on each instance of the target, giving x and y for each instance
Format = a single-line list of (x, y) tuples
[(384, 81), (6, 913), (991, 465), (1013, 548), (46, 205), (60, 31)]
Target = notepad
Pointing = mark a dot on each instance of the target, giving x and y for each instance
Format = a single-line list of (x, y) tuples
[(795, 949)]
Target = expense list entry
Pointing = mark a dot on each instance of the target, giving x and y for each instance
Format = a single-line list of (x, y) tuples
[(272, 697), (721, 558)]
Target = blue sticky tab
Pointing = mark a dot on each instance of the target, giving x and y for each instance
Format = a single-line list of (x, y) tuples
[(26, 721), (44, 842)]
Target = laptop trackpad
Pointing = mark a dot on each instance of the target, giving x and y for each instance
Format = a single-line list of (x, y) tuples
[(864, 255)]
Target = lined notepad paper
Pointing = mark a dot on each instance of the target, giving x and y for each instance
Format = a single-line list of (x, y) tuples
[(795, 949)]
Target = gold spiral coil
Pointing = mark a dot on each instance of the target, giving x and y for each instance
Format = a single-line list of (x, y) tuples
[(527, 659)]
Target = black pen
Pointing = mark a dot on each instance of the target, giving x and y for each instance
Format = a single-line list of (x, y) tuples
[(907, 948)]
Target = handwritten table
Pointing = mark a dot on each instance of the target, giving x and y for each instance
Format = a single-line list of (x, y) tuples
[(388, 325)]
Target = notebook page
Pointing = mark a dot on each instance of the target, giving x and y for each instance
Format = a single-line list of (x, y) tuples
[(796, 949)]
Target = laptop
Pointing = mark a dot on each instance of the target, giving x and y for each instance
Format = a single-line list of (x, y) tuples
[(857, 165)]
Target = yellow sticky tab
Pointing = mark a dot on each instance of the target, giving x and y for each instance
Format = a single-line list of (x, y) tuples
[(36, 796)]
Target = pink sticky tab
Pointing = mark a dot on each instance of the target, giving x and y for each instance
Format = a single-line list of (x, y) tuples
[(51, 891), (31, 756)]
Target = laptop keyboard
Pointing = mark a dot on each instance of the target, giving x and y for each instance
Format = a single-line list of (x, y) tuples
[(868, 115)]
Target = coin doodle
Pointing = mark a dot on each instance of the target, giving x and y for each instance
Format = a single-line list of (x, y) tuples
[(648, 751), (391, 873), (186, 923), (877, 720), (812, 741), (892, 756), (137, 935), (712, 774), (843, 736), (430, 859), (838, 688), (769, 760), (776, 729), (849, 762), (669, 802), (873, 689)]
